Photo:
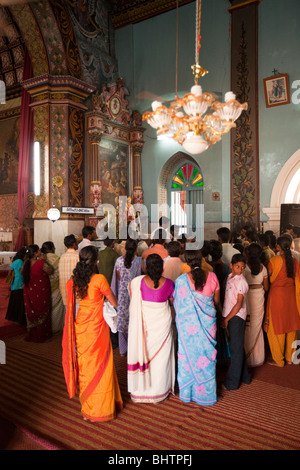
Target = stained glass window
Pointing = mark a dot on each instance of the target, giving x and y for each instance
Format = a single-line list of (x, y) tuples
[(187, 177)]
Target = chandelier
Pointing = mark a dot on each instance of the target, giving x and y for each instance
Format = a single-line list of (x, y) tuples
[(195, 128)]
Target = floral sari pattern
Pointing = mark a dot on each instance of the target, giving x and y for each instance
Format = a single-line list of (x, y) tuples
[(196, 326)]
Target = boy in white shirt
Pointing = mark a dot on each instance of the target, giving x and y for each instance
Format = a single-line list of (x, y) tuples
[(234, 318)]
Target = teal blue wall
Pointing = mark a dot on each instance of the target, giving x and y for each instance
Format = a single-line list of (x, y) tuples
[(146, 61), (279, 127)]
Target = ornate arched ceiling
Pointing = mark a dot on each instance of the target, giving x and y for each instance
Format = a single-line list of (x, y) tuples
[(62, 37), (67, 37), (125, 12), (32, 26), (11, 53)]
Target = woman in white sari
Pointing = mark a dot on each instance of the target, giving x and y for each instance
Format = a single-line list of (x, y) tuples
[(150, 356), (57, 305), (257, 277)]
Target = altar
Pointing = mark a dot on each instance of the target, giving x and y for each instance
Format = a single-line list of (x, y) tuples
[(6, 258)]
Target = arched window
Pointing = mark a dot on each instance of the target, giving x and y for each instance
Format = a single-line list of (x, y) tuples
[(286, 190), (293, 190), (186, 190)]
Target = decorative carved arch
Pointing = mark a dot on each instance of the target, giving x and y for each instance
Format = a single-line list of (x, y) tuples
[(280, 188), (69, 38), (49, 36), (52, 37), (284, 179), (28, 26)]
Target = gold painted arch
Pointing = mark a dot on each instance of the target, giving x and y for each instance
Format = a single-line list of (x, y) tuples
[(46, 29)]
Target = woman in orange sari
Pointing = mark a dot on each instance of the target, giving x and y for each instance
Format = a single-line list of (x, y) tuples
[(87, 350), (283, 307)]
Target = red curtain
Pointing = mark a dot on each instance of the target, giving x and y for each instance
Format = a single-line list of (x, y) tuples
[(25, 152)]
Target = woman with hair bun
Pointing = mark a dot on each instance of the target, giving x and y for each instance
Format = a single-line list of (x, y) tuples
[(37, 295), (126, 268), (283, 307), (87, 351), (256, 275), (150, 358), (197, 293)]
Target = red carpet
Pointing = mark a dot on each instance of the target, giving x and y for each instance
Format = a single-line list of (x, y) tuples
[(4, 298), (8, 329), (33, 396), (36, 413)]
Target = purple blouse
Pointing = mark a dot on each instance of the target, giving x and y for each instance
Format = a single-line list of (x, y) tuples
[(162, 294)]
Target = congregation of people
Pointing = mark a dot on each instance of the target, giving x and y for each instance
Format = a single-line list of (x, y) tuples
[(181, 311)]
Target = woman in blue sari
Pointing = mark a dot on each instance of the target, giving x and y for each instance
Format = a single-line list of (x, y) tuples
[(196, 295)]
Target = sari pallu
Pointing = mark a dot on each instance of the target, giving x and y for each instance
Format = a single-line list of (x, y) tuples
[(283, 304), (58, 308), (254, 337), (119, 286), (87, 354), (37, 301), (196, 326), (150, 357)]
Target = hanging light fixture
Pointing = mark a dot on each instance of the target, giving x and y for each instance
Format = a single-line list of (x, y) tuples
[(195, 129)]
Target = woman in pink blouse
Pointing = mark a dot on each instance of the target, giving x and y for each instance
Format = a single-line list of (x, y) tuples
[(150, 357)]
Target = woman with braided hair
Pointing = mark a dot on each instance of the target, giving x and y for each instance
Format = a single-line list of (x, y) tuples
[(197, 293), (87, 351), (126, 268), (283, 307)]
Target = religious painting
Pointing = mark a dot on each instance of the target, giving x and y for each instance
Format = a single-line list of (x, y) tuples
[(9, 155), (114, 171), (277, 90)]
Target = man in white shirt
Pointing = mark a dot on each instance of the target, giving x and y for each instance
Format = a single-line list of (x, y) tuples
[(89, 234), (296, 238), (162, 230), (224, 236)]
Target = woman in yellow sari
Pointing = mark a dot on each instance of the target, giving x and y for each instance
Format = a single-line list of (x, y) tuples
[(87, 350), (57, 305), (283, 307)]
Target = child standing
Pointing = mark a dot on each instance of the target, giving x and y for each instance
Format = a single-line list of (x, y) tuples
[(234, 318)]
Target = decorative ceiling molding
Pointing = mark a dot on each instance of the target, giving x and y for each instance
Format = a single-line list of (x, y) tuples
[(11, 54), (126, 12), (31, 33)]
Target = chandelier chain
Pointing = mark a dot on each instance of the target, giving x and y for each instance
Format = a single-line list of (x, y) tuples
[(176, 71), (198, 36), (200, 126)]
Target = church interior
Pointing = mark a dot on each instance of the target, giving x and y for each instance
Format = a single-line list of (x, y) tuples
[(78, 135), (89, 73)]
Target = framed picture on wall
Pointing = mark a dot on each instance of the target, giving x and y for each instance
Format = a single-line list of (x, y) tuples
[(9, 155), (115, 170), (277, 90)]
